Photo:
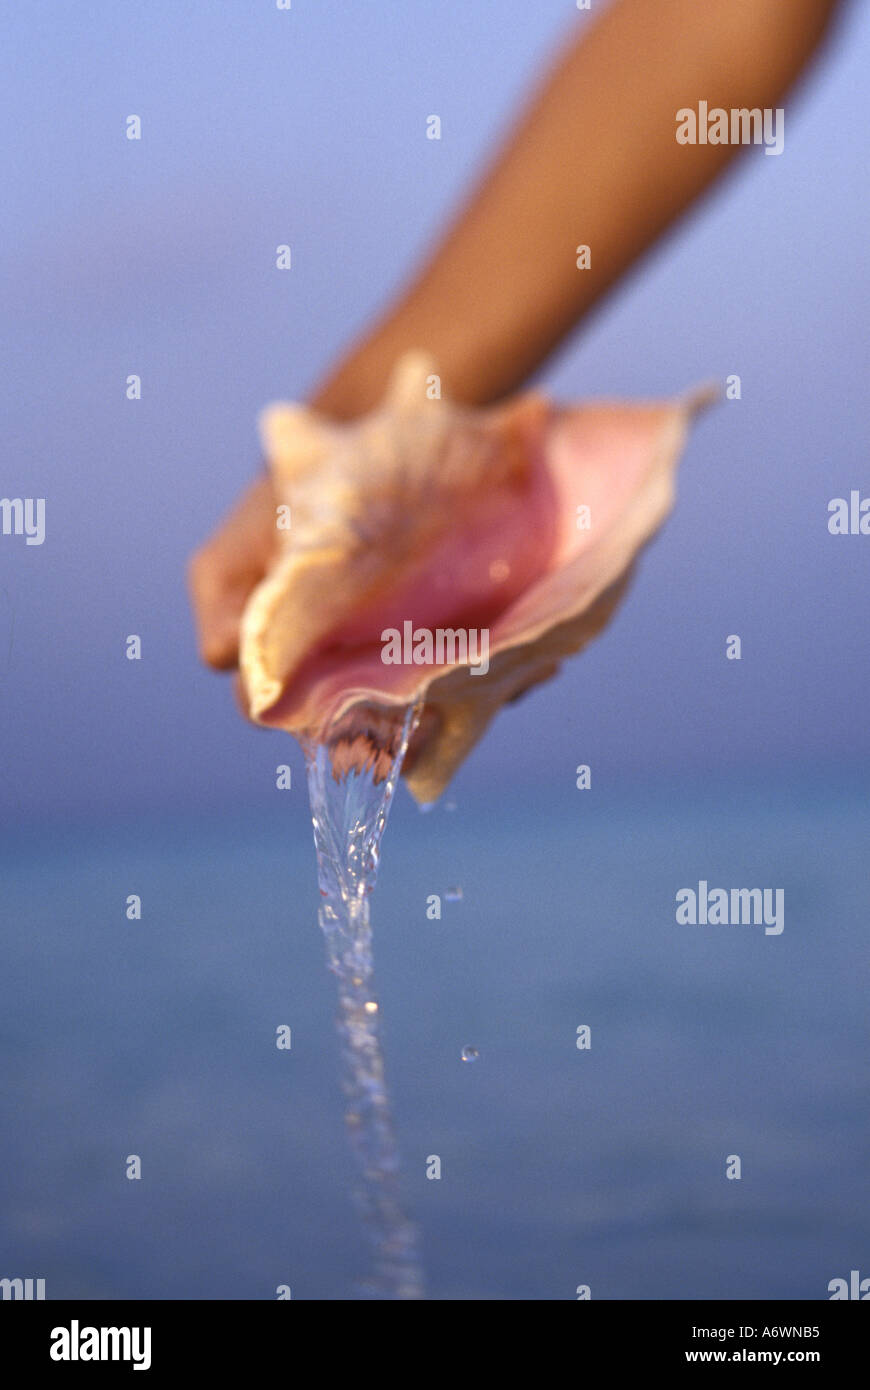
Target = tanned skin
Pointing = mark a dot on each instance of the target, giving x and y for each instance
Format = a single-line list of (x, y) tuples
[(592, 159)]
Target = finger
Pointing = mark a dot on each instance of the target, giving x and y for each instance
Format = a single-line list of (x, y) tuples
[(218, 600), (225, 570)]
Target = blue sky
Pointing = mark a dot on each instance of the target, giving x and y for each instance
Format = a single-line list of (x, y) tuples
[(157, 257)]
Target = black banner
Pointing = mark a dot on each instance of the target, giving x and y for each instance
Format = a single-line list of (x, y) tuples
[(75, 1338)]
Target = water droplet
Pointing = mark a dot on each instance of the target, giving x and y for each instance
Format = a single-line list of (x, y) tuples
[(450, 806), (453, 895), (370, 1006), (470, 1054)]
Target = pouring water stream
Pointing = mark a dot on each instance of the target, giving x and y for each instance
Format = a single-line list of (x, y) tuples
[(350, 800)]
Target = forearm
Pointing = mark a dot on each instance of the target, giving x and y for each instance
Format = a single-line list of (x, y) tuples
[(594, 161)]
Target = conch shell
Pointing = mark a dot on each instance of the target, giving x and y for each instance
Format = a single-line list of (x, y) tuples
[(521, 521)]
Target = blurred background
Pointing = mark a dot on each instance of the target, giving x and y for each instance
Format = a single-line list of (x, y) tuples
[(560, 1167)]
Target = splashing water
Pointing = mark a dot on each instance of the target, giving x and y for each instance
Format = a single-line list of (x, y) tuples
[(352, 776)]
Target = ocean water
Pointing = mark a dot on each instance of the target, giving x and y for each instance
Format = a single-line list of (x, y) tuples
[(559, 1167)]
